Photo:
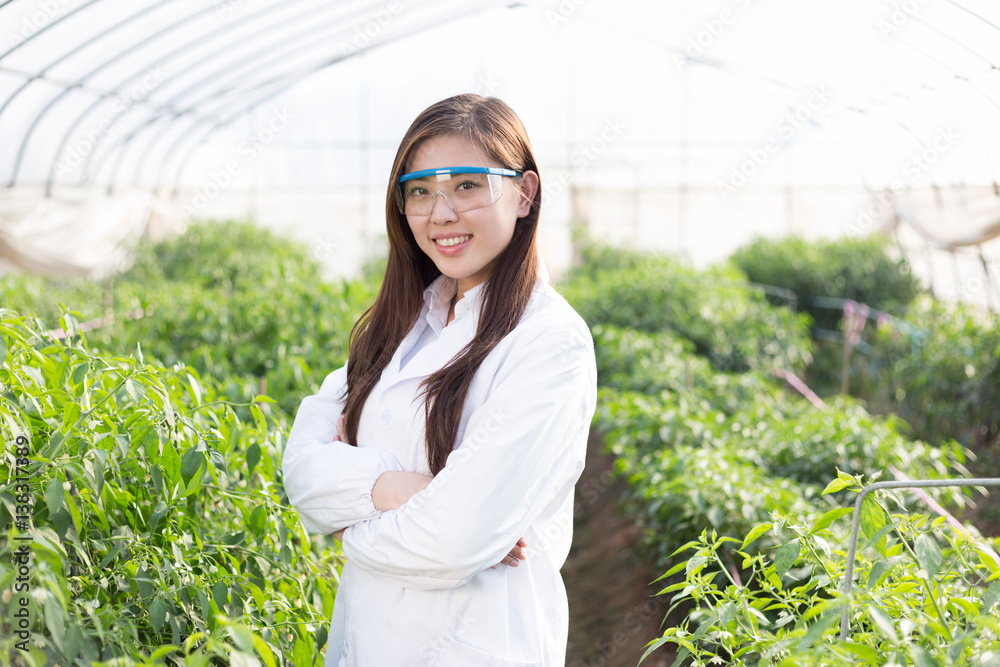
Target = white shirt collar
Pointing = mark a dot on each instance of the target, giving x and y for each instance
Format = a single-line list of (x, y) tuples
[(443, 289)]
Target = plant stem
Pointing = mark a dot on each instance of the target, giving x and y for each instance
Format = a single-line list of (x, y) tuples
[(927, 586)]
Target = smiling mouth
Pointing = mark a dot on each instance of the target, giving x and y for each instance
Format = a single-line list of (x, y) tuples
[(458, 240)]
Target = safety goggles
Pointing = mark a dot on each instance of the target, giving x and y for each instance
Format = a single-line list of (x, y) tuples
[(464, 188)]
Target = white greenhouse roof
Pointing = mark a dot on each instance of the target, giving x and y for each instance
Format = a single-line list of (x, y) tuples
[(95, 90), (669, 124)]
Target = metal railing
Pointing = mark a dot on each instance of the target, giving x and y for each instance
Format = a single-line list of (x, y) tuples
[(856, 524)]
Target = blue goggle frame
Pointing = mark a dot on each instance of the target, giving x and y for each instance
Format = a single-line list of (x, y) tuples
[(458, 170)]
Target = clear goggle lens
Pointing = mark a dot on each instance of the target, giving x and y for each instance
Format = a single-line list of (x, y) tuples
[(463, 188)]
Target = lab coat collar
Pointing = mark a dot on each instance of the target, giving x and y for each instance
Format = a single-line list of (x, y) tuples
[(439, 294), (453, 337), (444, 288)]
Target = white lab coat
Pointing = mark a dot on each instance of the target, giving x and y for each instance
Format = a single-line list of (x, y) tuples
[(417, 588)]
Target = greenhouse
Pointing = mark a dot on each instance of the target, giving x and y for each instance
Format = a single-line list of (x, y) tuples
[(711, 294)]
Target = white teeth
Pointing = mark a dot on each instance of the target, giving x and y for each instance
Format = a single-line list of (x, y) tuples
[(455, 241)]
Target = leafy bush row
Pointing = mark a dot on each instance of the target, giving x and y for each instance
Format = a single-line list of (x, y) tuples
[(709, 455), (231, 300), (848, 268), (157, 529), (938, 368), (922, 593), (702, 448), (943, 377), (727, 320)]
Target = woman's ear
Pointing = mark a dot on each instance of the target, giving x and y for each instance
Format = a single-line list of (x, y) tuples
[(529, 188)]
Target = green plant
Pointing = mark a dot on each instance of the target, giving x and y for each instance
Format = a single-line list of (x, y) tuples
[(231, 300), (850, 268), (703, 448), (924, 595), (943, 377), (157, 526), (726, 319)]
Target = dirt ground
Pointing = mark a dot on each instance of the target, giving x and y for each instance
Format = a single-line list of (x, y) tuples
[(613, 609)]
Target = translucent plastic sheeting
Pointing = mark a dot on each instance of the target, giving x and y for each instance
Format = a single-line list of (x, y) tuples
[(112, 91), (80, 232), (119, 94), (127, 91)]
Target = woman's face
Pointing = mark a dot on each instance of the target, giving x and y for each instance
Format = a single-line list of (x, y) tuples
[(490, 228)]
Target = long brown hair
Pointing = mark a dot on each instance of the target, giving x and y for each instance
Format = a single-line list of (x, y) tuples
[(494, 128)]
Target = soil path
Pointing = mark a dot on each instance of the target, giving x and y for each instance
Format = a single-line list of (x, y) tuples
[(613, 609)]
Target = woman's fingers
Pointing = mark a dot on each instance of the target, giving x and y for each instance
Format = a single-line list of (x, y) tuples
[(519, 552)]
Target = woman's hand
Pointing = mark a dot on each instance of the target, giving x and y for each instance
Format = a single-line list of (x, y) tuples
[(517, 552)]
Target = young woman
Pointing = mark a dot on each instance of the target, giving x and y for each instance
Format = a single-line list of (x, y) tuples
[(450, 443)]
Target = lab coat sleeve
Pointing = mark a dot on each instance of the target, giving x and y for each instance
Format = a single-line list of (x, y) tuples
[(327, 481), (522, 450)]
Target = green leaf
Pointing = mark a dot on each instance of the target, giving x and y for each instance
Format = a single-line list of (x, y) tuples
[(242, 637), (159, 512), (257, 592), (695, 563), (80, 373), (258, 521), (921, 658), (322, 634), (301, 653), (837, 485), (866, 653), (162, 651), (785, 557), (220, 593), (264, 651), (54, 495), (134, 390), (3, 350), (143, 583), (684, 547), (171, 461), (206, 609), (756, 532), (817, 630), (928, 555), (111, 556), (963, 605), (727, 613), (55, 619), (824, 521), (879, 569), (986, 557), (56, 441), (191, 463), (991, 597), (883, 623), (217, 459), (873, 519), (157, 614), (253, 458), (262, 398)]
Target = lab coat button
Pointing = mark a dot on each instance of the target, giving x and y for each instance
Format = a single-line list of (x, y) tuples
[(386, 416)]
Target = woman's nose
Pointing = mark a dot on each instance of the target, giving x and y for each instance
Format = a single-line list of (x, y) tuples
[(442, 210)]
